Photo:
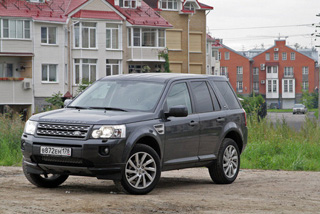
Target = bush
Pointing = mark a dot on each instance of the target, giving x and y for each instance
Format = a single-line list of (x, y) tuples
[(254, 105)]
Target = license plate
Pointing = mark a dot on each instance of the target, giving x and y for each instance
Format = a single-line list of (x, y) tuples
[(55, 151)]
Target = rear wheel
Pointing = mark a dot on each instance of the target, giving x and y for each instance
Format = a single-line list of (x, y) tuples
[(44, 180), (142, 171), (225, 169)]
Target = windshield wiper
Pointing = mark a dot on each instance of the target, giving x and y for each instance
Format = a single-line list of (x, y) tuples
[(78, 107), (109, 108)]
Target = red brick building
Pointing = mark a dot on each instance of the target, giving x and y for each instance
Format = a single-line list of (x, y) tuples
[(279, 73), (237, 68)]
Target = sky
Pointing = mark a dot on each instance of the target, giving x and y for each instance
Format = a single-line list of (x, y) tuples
[(248, 24)]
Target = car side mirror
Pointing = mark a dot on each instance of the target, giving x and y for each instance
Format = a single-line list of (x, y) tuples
[(177, 111), (67, 102)]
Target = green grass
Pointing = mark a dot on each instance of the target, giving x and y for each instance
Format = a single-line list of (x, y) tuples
[(278, 147), (10, 135), (287, 110)]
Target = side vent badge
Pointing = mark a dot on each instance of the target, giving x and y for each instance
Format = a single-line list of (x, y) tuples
[(159, 128)]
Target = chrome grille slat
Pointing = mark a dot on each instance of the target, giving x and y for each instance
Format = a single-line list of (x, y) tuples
[(63, 130)]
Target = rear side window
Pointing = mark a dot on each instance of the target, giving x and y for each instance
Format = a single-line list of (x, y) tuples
[(202, 97), (228, 94)]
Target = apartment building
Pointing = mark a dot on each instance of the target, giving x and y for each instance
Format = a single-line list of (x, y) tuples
[(52, 46), (186, 41), (279, 73), (237, 68)]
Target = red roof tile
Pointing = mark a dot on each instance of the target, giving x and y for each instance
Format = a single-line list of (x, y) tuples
[(97, 14), (143, 15)]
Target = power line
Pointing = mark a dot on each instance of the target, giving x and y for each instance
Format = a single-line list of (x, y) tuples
[(278, 26)]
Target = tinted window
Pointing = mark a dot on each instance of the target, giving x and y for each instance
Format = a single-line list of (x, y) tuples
[(216, 104), (179, 95), (227, 94), (202, 97)]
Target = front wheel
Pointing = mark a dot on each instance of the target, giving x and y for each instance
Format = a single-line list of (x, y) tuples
[(225, 169), (142, 171), (44, 180)]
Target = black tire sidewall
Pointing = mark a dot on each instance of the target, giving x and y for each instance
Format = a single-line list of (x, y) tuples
[(125, 184)]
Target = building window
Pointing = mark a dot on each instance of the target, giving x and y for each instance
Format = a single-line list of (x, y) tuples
[(49, 35), (305, 85), (276, 56), (214, 53), (239, 86), (84, 70), (128, 3), (16, 29), (285, 84), (49, 73), (255, 71), (6, 70), (226, 55), (268, 56), (272, 69), (256, 86), (219, 56), (112, 36), (291, 86), (293, 56), (169, 4), (274, 86), (85, 35), (305, 70), (147, 37), (284, 56), (189, 6), (269, 86), (135, 68), (239, 70), (224, 71), (112, 67), (288, 71), (161, 38)]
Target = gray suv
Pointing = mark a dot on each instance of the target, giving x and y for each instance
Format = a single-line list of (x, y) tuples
[(129, 128)]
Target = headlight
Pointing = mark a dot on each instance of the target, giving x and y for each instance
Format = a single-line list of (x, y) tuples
[(30, 127), (118, 131)]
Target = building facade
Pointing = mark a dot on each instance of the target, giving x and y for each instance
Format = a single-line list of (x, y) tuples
[(213, 61), (186, 41), (280, 73)]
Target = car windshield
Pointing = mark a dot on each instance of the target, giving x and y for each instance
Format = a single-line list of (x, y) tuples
[(120, 95), (298, 106)]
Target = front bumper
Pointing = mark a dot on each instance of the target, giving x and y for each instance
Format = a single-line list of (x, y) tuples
[(87, 157)]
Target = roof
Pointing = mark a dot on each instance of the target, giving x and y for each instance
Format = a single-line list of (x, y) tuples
[(160, 77), (154, 5), (111, 15), (234, 51), (144, 15), (53, 10)]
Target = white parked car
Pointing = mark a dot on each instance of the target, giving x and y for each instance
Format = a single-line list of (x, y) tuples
[(299, 109)]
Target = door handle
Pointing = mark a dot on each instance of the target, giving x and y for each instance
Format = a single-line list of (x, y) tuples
[(193, 123), (221, 119)]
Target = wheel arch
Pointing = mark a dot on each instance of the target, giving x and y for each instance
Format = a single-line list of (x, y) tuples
[(236, 136)]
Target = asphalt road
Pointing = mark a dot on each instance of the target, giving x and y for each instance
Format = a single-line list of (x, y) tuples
[(293, 120)]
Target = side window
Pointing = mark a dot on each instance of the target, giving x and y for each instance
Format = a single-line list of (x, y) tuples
[(216, 103), (228, 94), (202, 97), (179, 95)]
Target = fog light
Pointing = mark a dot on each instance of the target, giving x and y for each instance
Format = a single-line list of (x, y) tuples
[(106, 150)]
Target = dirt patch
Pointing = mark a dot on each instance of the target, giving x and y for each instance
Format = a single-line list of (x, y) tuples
[(181, 191)]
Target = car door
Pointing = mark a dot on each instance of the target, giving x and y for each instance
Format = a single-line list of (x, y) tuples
[(212, 120), (181, 133)]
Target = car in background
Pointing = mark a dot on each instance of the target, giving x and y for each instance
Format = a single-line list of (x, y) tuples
[(299, 109)]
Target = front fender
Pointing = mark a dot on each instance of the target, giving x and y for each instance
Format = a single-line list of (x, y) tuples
[(138, 134)]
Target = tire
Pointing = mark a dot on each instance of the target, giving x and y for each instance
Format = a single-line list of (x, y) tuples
[(44, 180), (142, 171), (225, 169)]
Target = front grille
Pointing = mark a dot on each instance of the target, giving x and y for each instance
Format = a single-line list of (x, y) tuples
[(62, 130), (62, 161)]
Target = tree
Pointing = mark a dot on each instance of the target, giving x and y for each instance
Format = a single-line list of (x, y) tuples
[(55, 100)]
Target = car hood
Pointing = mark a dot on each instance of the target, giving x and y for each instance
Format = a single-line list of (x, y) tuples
[(92, 116)]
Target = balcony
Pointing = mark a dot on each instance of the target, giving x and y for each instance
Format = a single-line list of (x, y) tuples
[(144, 54), (288, 87), (15, 91), (288, 75)]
